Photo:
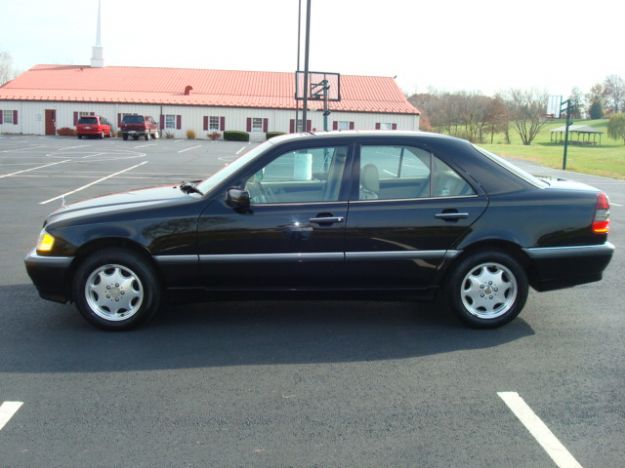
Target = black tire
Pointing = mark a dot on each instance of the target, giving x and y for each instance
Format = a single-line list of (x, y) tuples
[(502, 299), (101, 136), (79, 137), (135, 137), (124, 136), (143, 284)]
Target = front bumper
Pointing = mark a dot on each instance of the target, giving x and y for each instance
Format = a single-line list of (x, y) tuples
[(50, 275), (562, 267)]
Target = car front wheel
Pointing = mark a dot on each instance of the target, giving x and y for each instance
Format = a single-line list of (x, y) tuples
[(488, 289), (116, 289)]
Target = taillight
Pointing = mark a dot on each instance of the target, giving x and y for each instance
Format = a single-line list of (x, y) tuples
[(601, 223)]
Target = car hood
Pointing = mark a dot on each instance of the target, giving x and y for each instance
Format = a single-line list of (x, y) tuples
[(122, 201)]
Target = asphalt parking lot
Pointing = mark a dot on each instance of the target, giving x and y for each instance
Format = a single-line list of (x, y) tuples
[(291, 383)]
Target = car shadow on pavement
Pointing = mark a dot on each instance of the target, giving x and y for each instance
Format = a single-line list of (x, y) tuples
[(39, 336)]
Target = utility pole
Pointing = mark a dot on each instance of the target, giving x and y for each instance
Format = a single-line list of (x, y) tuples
[(306, 56), (299, 34)]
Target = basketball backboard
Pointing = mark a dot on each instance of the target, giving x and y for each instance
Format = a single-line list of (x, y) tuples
[(319, 83)]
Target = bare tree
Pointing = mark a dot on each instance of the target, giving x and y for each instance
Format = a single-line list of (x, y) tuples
[(528, 112), (7, 72), (498, 118), (614, 92)]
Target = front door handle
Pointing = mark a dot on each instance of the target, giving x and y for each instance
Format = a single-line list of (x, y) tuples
[(327, 219), (451, 216)]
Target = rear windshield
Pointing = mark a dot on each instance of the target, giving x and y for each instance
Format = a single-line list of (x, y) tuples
[(133, 119), (88, 120), (517, 171)]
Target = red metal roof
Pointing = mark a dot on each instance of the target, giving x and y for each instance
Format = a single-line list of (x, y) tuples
[(227, 88)]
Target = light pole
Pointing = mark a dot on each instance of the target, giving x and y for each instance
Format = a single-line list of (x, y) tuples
[(306, 56)]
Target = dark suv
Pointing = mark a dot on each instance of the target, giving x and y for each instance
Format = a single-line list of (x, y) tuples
[(136, 126)]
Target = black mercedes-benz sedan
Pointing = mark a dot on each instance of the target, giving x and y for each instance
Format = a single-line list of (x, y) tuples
[(405, 213)]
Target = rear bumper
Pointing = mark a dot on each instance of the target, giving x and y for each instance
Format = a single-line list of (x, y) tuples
[(50, 275), (562, 267), (91, 131)]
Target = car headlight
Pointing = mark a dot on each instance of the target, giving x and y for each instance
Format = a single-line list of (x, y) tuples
[(45, 242)]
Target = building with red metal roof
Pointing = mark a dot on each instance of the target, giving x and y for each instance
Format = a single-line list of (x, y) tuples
[(49, 97)]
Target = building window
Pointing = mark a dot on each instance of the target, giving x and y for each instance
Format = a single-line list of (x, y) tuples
[(257, 125), (343, 125), (386, 126), (213, 123), (170, 121), (8, 117)]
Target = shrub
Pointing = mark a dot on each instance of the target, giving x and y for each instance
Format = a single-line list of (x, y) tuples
[(616, 127), (233, 135), (274, 134), (66, 131), (169, 135), (191, 135), (214, 135)]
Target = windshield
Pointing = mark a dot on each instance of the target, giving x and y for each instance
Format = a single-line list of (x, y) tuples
[(526, 176), (225, 172), (133, 119), (87, 120)]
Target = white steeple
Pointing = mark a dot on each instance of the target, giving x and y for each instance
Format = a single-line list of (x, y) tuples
[(97, 56)]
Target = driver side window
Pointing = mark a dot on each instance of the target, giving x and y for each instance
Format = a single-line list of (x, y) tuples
[(302, 176)]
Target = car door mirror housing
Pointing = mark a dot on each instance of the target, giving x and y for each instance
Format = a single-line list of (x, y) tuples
[(238, 198)]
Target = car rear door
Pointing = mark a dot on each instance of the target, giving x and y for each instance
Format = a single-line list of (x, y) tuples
[(293, 235), (405, 216)]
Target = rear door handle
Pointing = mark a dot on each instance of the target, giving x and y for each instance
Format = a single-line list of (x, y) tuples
[(451, 216), (327, 220)]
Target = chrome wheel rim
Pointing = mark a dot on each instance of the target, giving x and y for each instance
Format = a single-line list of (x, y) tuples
[(489, 290), (114, 292)]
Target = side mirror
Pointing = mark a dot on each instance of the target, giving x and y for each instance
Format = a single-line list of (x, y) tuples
[(238, 198)]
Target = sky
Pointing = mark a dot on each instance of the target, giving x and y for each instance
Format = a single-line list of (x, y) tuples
[(446, 45)]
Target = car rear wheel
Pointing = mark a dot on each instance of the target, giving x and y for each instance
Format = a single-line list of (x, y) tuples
[(116, 289), (79, 137), (488, 289), (124, 136)]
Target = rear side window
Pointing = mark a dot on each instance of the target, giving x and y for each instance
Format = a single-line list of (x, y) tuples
[(133, 119), (88, 120), (403, 172)]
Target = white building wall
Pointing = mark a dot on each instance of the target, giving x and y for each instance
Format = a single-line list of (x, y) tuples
[(31, 117)]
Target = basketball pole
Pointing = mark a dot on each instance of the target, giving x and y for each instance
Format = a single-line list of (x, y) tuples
[(299, 35), (306, 56)]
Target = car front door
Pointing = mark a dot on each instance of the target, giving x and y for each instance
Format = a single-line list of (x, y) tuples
[(404, 217), (293, 234)]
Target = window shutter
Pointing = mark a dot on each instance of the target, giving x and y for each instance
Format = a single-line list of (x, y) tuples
[(222, 123), (205, 122), (335, 125), (75, 118), (162, 122), (14, 117), (1, 116), (119, 119), (351, 125), (265, 125), (308, 125), (292, 126), (377, 126), (394, 126), (178, 122), (249, 124)]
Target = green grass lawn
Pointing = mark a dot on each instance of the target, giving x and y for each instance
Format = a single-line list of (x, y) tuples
[(606, 159)]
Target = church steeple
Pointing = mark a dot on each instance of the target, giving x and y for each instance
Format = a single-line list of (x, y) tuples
[(97, 55)]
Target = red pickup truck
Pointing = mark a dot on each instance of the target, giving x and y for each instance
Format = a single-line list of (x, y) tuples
[(136, 126)]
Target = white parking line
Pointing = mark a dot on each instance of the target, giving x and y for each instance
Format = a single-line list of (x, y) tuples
[(33, 168), (242, 148), (7, 410), (93, 183), (189, 148), (145, 146), (73, 147), (554, 448), (615, 204)]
